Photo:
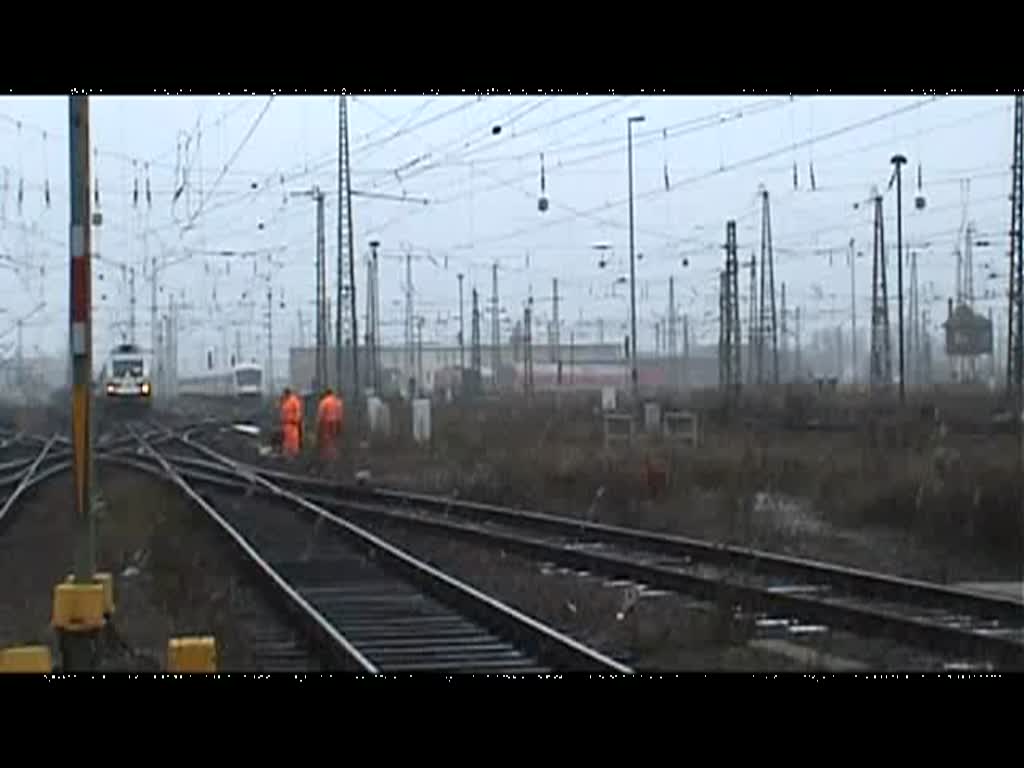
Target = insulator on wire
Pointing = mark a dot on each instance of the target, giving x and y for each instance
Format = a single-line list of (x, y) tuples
[(135, 186), (46, 192), (813, 185), (149, 193), (796, 178), (21, 194)]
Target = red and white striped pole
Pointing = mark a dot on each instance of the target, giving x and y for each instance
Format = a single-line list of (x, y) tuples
[(81, 336)]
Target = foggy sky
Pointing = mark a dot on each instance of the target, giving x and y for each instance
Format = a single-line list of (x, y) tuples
[(483, 191)]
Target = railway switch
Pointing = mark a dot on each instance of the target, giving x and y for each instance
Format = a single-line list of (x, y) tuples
[(26, 659), (192, 655)]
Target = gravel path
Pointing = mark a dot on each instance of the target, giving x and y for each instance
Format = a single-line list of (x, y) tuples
[(173, 573)]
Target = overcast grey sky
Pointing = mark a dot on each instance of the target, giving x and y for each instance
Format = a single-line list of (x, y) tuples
[(482, 190)]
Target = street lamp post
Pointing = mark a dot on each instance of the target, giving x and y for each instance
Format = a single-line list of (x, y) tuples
[(632, 263), (898, 161)]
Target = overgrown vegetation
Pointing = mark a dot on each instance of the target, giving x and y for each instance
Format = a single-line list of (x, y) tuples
[(948, 491)]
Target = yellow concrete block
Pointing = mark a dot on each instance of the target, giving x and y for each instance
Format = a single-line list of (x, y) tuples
[(78, 607), (192, 654), (31, 659), (107, 581)]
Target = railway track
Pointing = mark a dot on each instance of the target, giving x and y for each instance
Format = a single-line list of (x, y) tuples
[(773, 594), (364, 603), (25, 475), (769, 593)]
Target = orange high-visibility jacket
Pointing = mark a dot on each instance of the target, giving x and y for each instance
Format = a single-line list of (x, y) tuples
[(330, 413), (291, 411)]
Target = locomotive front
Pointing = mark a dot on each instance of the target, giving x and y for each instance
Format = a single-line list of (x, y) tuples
[(127, 381)]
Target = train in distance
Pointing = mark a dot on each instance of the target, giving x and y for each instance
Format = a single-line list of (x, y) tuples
[(242, 381), (126, 376)]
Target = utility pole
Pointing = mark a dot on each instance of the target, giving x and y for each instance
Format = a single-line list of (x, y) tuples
[(881, 356), (409, 362), (462, 331), (556, 352), (729, 356), (754, 336), (371, 324), (419, 355), (474, 355), (321, 318), (79, 646), (495, 326), (153, 327), (270, 338), (898, 161), (572, 358), (528, 348), (320, 379), (927, 350), (634, 376), (839, 351), (1015, 319), (798, 362), (686, 351), (914, 340), (346, 253), (374, 329), (784, 340), (673, 362), (853, 313), (172, 346), (767, 317), (131, 300)]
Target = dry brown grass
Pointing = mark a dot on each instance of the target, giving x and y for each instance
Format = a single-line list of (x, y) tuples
[(954, 494)]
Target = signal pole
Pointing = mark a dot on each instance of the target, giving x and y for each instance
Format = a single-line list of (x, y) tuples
[(78, 645)]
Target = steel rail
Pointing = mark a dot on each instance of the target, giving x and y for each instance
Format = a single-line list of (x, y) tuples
[(29, 479), (853, 580), (871, 610), (544, 641), (326, 634)]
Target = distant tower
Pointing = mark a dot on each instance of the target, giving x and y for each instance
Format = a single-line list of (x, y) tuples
[(767, 321), (730, 371), (1015, 337)]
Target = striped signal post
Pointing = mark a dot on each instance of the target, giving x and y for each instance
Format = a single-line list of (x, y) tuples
[(79, 604)]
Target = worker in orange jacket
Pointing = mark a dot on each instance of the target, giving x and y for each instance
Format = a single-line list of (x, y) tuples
[(291, 423), (329, 416)]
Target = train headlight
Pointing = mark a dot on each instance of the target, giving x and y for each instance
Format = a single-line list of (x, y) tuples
[(110, 389), (145, 387)]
